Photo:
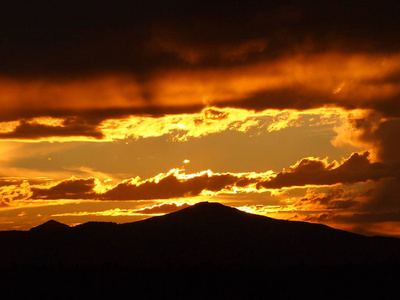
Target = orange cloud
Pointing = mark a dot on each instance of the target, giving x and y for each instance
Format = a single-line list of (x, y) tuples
[(11, 193), (67, 129), (156, 209), (336, 198), (95, 107), (68, 189), (176, 183), (214, 120), (371, 130), (331, 78), (311, 171), (179, 126), (339, 206)]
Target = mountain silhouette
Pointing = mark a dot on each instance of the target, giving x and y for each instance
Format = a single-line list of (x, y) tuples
[(204, 235), (211, 240), (50, 225)]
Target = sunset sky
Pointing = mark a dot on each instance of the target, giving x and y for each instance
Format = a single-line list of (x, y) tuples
[(118, 112)]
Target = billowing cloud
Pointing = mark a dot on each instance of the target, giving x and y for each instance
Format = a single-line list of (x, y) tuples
[(179, 127), (381, 135), (310, 171), (177, 184), (337, 198), (11, 193), (34, 130), (146, 37), (110, 63), (68, 189), (299, 82), (371, 130), (213, 120)]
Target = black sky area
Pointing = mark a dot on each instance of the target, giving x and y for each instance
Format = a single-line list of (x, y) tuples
[(85, 38)]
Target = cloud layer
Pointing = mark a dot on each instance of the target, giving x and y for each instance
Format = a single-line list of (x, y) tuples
[(177, 184), (90, 63)]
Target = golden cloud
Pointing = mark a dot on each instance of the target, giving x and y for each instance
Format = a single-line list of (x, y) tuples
[(214, 120), (344, 80), (176, 183), (156, 209), (311, 171), (180, 127)]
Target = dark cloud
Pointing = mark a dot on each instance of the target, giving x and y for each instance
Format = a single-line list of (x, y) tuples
[(170, 187), (357, 168), (45, 38), (67, 189), (381, 133), (49, 48), (7, 181), (167, 187), (299, 96), (371, 217), (384, 196), (387, 137), (71, 126), (335, 198)]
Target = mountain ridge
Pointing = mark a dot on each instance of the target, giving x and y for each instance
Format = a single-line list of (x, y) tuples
[(197, 210), (50, 225), (201, 251), (204, 234)]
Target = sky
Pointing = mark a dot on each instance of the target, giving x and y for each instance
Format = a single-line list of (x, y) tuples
[(123, 110)]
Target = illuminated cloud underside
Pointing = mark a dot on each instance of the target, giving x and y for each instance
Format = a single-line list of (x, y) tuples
[(176, 183), (180, 127)]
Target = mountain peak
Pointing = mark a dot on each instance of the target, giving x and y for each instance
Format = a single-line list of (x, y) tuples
[(50, 225), (206, 214), (207, 209), (211, 206)]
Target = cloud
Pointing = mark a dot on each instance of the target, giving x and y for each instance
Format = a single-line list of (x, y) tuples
[(311, 171), (296, 82), (143, 38), (384, 196), (180, 127), (177, 184), (108, 62), (371, 130), (68, 189), (70, 127), (156, 209), (371, 210), (174, 184), (336, 198), (163, 208), (213, 120), (11, 193)]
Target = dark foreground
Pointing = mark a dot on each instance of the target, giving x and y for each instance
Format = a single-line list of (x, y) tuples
[(379, 282), (208, 251)]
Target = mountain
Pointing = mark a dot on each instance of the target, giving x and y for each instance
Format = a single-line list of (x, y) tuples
[(203, 243), (204, 235), (50, 225)]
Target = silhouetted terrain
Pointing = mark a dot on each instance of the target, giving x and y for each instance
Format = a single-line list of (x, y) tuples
[(209, 247)]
